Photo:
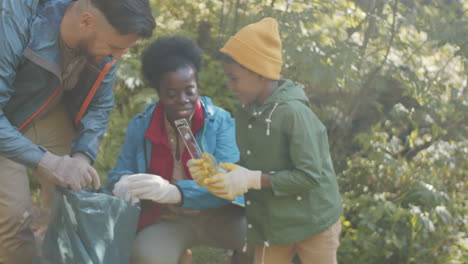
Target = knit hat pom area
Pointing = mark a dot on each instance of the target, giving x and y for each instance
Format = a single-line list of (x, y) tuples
[(257, 47)]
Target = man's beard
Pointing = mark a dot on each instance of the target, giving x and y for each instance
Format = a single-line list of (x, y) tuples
[(84, 50)]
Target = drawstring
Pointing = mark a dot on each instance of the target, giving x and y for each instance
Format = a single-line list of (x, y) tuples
[(263, 254), (244, 249), (265, 244), (268, 120)]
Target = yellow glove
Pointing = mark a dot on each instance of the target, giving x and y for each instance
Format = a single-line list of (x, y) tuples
[(237, 180), (228, 166), (203, 168)]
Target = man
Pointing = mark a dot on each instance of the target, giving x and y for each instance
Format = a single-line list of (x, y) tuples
[(57, 68)]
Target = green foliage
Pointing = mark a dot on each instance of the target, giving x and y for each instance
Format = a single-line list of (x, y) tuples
[(418, 216), (208, 255)]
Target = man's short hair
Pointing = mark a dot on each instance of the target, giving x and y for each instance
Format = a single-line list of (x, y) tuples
[(128, 16)]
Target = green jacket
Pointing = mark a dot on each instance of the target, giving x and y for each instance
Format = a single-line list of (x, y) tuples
[(285, 139)]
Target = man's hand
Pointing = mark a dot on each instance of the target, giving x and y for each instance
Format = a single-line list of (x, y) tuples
[(238, 180), (153, 187), (70, 172), (121, 190)]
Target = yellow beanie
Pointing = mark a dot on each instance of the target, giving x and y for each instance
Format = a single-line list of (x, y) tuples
[(258, 48)]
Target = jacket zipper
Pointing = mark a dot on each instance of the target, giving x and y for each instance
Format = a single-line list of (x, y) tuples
[(40, 109), (92, 92)]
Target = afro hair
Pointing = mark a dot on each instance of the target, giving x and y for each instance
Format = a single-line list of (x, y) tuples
[(168, 54)]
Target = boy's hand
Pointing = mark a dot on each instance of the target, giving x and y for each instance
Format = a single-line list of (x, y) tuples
[(238, 180), (203, 168)]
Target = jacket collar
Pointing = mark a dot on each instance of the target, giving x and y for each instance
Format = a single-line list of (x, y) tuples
[(156, 131)]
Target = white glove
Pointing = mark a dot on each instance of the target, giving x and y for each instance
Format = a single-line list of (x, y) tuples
[(238, 180), (70, 172), (153, 187), (121, 190)]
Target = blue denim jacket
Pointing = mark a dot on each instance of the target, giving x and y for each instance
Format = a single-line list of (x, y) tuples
[(30, 77), (217, 137)]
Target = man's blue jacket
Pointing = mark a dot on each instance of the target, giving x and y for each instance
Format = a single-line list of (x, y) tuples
[(30, 78)]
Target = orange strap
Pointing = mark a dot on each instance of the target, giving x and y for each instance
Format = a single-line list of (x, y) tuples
[(40, 109), (91, 93)]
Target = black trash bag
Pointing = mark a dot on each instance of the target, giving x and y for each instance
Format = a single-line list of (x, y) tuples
[(89, 227)]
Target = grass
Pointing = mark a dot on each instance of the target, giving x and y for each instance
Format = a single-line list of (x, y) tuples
[(207, 255)]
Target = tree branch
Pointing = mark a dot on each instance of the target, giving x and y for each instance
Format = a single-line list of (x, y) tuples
[(371, 23), (236, 17), (392, 37), (410, 153), (431, 83), (449, 24), (221, 25), (286, 10)]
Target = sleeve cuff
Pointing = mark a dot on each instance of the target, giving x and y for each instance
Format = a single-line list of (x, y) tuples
[(181, 195), (32, 157)]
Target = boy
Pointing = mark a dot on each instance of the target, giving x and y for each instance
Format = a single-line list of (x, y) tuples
[(292, 201)]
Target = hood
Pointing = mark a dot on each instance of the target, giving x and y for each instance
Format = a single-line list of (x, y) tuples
[(287, 91)]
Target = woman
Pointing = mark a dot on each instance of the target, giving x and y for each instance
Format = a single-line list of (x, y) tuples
[(176, 212)]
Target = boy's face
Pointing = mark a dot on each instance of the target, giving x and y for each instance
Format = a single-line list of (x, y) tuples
[(246, 84)]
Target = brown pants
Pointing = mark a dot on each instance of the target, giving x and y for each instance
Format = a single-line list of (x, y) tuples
[(319, 249), (17, 244)]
